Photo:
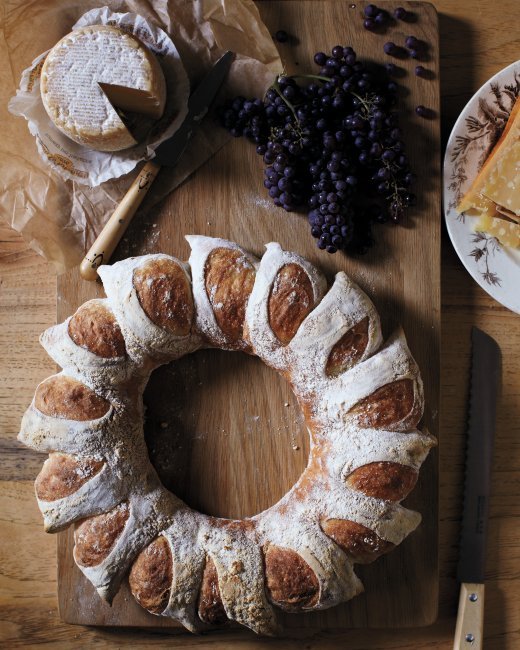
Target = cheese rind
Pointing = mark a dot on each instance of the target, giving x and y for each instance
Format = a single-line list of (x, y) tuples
[(85, 62)]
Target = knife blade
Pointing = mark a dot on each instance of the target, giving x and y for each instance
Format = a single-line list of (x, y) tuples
[(484, 390), (167, 154)]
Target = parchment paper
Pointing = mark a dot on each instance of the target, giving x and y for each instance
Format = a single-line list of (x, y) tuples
[(60, 219), (73, 161)]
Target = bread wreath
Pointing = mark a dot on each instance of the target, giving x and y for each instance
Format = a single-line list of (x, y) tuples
[(362, 402)]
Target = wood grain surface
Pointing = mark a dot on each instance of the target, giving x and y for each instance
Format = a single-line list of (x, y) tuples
[(477, 40), (226, 434)]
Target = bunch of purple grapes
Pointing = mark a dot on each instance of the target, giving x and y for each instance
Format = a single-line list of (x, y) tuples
[(328, 141)]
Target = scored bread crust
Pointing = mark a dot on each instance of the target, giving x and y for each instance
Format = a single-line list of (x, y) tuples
[(362, 401)]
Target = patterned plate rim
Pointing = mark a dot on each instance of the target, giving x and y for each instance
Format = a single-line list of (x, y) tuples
[(504, 287)]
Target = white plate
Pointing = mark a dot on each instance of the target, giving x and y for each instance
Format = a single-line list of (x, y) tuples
[(495, 267)]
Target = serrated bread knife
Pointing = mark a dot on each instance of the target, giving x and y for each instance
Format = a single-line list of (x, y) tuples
[(168, 154), (484, 389)]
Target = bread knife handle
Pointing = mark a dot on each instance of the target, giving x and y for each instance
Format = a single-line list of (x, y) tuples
[(469, 631), (115, 227)]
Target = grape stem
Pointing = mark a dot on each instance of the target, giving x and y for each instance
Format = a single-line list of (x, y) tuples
[(276, 87), (367, 105), (310, 76)]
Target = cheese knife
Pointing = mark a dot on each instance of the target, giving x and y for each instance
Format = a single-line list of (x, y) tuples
[(168, 154), (484, 390)]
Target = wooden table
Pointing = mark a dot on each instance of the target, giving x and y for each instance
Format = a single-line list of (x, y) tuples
[(477, 39)]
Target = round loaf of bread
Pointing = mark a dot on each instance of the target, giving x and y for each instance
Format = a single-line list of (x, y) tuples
[(362, 400)]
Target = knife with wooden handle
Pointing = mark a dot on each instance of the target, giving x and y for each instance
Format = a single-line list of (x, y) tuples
[(484, 390), (107, 240), (167, 154)]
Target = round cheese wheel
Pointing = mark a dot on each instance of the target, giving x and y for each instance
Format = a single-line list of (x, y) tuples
[(91, 74)]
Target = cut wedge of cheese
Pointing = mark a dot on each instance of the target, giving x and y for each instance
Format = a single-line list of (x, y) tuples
[(507, 232), (499, 174), (481, 205), (90, 74), (503, 183)]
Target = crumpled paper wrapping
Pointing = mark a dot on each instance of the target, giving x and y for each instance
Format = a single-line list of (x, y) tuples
[(71, 160), (60, 219)]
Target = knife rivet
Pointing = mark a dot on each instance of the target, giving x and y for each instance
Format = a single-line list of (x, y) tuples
[(470, 638), (473, 597)]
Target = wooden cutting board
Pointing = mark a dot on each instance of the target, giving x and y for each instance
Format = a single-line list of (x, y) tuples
[(224, 431)]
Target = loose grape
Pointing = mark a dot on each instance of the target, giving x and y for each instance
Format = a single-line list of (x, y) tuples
[(281, 36), (381, 18), (412, 42), (422, 111), (371, 11), (420, 71), (392, 69)]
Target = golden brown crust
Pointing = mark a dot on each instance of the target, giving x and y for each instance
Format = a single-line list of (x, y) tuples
[(348, 350), (62, 475), (151, 576), (290, 582), (384, 480), (389, 405), (63, 397), (164, 293), (290, 301), (95, 328), (210, 607), (95, 537), (359, 542), (229, 280)]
